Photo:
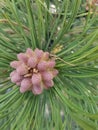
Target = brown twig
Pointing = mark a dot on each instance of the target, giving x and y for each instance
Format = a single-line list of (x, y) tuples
[(6, 21), (58, 58)]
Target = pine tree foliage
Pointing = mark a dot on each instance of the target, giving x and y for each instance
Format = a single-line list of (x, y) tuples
[(70, 34)]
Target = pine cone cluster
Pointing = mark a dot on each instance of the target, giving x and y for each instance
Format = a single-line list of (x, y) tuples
[(34, 71)]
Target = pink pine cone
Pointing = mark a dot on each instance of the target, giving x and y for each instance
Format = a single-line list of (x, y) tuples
[(49, 83), (36, 79), (42, 66), (22, 57), (54, 72), (51, 64), (34, 71), (39, 53), (15, 64), (45, 56), (32, 62), (47, 75), (22, 69), (16, 77), (25, 85), (12, 73), (29, 52), (37, 89)]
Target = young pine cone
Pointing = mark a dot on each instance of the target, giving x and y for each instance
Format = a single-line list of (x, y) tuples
[(34, 71)]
